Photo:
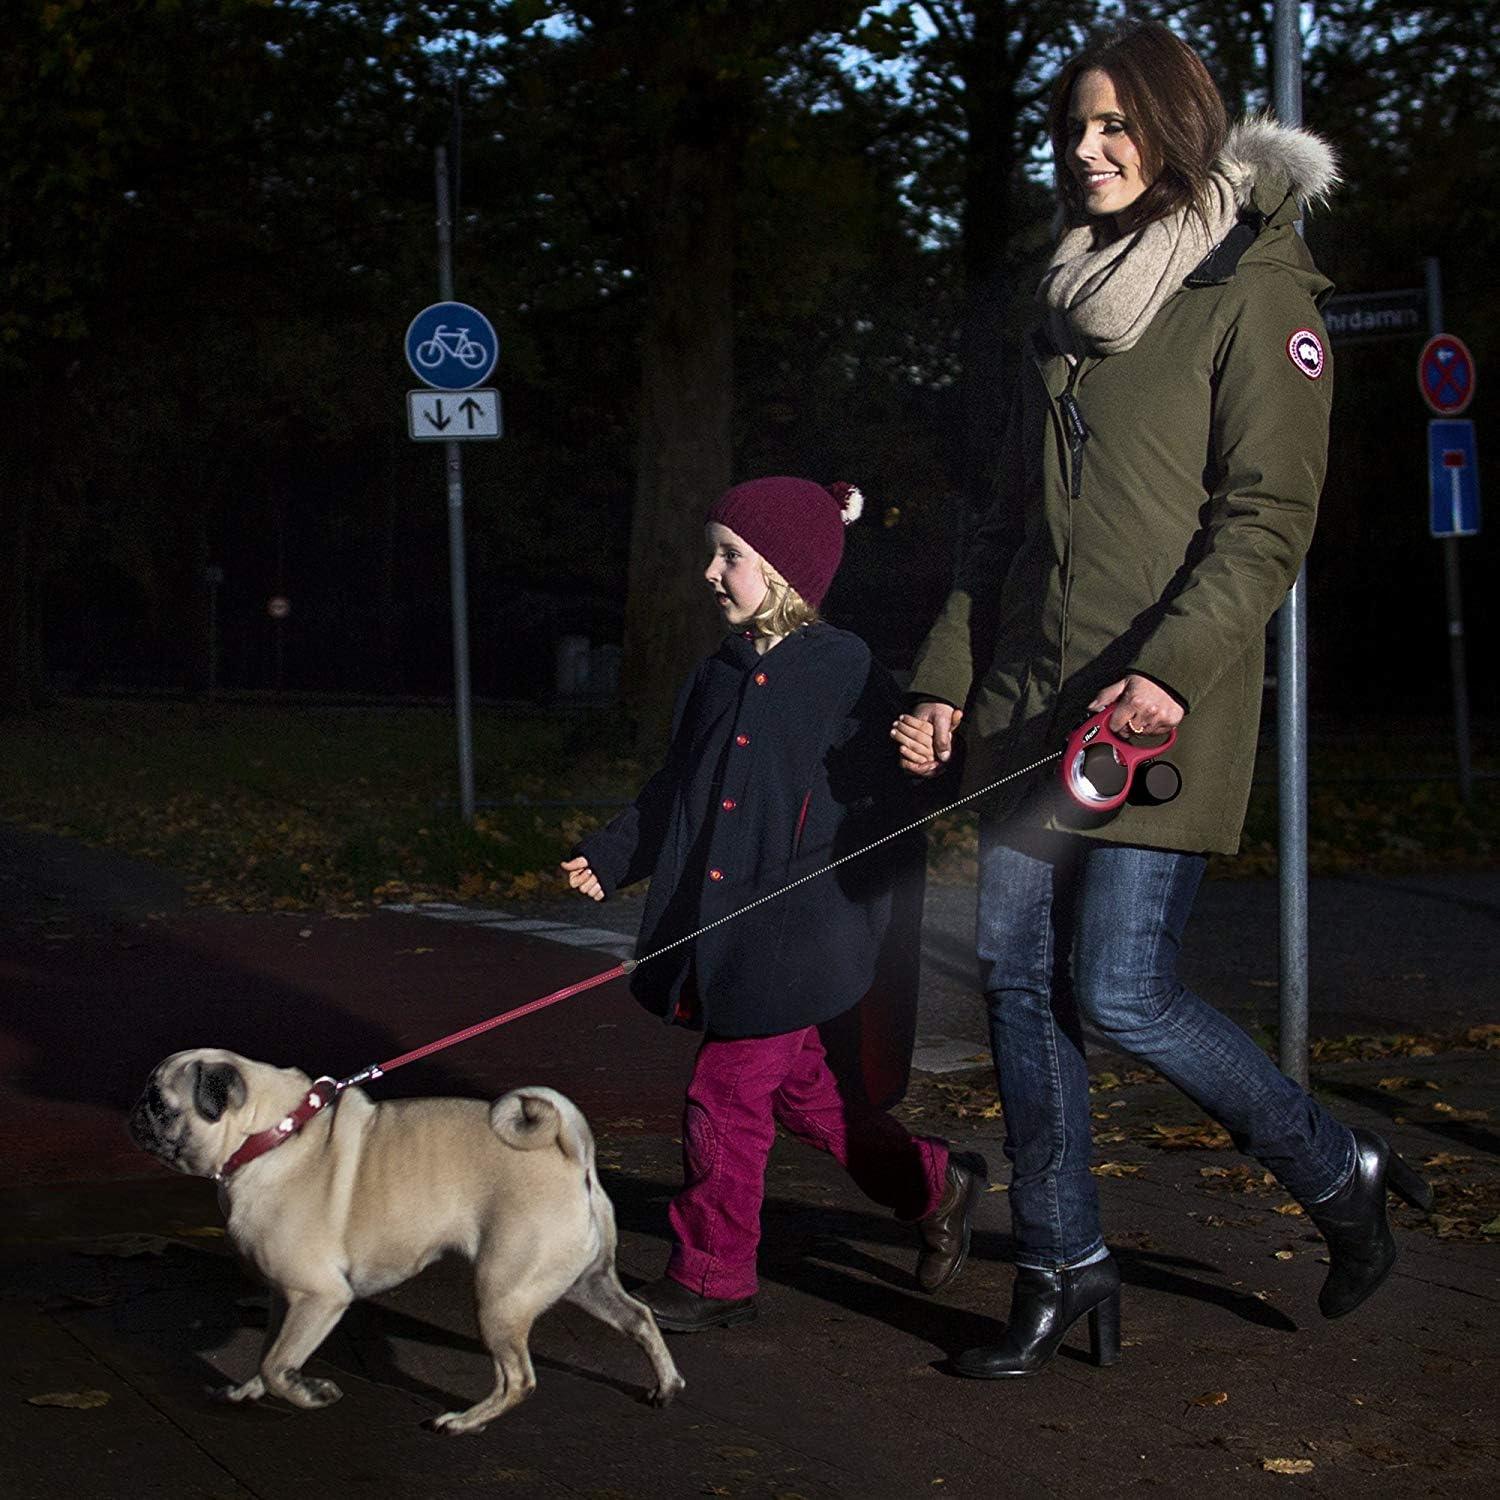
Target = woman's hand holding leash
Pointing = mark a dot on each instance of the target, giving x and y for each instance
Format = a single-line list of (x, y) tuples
[(925, 737), (581, 878), (1141, 707)]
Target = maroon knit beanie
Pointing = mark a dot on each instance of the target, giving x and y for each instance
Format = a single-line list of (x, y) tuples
[(796, 525)]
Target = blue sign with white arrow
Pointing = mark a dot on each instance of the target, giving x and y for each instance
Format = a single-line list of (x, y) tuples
[(451, 346), (1453, 478)]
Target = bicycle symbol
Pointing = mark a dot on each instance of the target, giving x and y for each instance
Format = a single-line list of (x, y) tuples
[(447, 343)]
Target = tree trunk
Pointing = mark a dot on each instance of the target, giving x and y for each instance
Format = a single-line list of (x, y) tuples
[(21, 686), (685, 454), (392, 677), (986, 354)]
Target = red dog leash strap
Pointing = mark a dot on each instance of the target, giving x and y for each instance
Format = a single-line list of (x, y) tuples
[(482, 1026), (377, 1070)]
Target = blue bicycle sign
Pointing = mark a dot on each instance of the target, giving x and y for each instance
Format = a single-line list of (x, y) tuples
[(451, 346)]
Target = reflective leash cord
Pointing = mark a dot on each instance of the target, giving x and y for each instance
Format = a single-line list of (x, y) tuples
[(379, 1070)]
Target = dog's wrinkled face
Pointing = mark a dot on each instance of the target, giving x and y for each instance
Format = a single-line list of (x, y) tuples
[(194, 1111)]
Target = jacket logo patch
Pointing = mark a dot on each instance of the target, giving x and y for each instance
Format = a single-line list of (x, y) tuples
[(1305, 350)]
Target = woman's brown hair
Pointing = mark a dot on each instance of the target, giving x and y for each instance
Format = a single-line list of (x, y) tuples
[(1173, 113)]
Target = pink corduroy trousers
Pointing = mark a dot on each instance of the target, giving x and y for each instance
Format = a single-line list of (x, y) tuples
[(742, 1088)]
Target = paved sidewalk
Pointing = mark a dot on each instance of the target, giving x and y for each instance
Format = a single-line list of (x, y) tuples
[(115, 1279)]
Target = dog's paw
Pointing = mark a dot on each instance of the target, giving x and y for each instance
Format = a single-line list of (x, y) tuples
[(452, 1424), (252, 1390), (307, 1391), (663, 1395)]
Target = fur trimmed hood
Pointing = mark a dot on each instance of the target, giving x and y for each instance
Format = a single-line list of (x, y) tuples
[(1267, 163)]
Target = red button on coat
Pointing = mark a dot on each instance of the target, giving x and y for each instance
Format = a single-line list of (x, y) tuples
[(728, 804), (760, 679), (742, 739), (715, 874)]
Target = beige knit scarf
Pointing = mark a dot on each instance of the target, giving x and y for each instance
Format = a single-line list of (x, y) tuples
[(1099, 300)]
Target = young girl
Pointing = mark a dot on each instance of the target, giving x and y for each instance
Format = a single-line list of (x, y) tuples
[(777, 766)]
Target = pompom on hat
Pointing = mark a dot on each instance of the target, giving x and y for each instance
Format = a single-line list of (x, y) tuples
[(796, 525)]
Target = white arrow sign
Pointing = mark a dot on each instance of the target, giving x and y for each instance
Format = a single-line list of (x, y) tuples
[(449, 416)]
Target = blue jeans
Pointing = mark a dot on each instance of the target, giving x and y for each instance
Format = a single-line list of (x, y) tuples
[(1072, 931)]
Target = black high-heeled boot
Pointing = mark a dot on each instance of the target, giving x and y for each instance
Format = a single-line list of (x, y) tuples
[(1361, 1247), (1044, 1306)]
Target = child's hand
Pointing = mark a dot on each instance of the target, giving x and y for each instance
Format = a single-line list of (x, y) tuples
[(581, 878), (925, 737)]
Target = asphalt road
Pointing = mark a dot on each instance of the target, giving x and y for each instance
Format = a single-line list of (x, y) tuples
[(118, 1292), (1386, 955)]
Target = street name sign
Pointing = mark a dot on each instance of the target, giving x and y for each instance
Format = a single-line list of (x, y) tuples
[(449, 416), (1453, 478), (1363, 317), (451, 346), (1445, 373)]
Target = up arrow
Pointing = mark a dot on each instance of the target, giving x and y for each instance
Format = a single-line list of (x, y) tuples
[(471, 409), (437, 418)]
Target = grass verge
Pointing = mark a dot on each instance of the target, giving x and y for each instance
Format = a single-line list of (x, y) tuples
[(340, 808)]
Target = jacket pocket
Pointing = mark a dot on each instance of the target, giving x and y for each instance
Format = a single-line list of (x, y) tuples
[(801, 822)]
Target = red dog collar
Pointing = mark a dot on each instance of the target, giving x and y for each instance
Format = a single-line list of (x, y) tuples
[(323, 1093)]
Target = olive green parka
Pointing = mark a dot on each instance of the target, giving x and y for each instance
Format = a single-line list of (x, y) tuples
[(1163, 541)]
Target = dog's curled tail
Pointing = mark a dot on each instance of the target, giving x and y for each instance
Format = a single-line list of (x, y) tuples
[(534, 1117)]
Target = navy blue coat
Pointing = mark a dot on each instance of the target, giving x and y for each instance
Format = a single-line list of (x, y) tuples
[(777, 765)]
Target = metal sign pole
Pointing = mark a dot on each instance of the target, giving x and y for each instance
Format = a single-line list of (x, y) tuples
[(1291, 680), (1456, 663), (458, 580)]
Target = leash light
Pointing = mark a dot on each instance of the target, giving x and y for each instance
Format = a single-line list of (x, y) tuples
[(1098, 768)]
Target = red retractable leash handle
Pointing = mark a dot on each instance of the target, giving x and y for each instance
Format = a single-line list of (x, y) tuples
[(1098, 767)]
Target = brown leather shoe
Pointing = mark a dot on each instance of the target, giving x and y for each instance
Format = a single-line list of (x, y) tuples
[(678, 1309), (945, 1231)]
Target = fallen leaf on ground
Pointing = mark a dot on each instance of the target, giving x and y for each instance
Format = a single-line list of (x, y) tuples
[(1454, 1113), (75, 1400), (1287, 1465), (1210, 1398), (1291, 1210), (1115, 1169), (1406, 1083), (1283, 1254)]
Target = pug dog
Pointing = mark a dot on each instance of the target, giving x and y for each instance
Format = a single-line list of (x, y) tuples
[(365, 1195)]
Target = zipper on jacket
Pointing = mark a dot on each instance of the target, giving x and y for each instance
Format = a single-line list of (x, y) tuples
[(1078, 433)]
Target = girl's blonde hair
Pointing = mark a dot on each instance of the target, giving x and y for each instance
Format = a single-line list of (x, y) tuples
[(784, 609)]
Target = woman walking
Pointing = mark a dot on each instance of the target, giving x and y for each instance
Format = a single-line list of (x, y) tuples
[(1163, 459)]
